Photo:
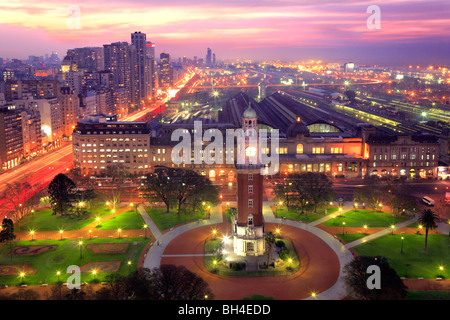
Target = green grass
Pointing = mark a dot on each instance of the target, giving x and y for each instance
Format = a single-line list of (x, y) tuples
[(359, 218), (421, 264), (307, 216), (68, 253), (44, 220), (166, 221), (350, 237), (125, 221), (427, 295)]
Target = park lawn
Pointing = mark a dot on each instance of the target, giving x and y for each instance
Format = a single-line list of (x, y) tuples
[(359, 218), (427, 295), (66, 254), (306, 216), (421, 264), (127, 220), (44, 220), (169, 220), (350, 237)]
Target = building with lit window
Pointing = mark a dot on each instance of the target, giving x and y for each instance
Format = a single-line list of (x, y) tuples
[(100, 141)]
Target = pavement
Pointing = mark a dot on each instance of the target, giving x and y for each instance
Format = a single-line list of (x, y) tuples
[(156, 251), (337, 291)]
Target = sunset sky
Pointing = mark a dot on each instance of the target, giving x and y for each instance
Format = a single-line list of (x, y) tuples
[(412, 31)]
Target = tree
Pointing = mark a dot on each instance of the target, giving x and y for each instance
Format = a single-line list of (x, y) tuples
[(7, 232), (116, 288), (81, 196), (118, 174), (75, 294), (180, 187), (398, 194), (356, 276), (158, 186), (428, 219), (317, 187), (60, 191), (139, 285), (171, 282), (20, 199), (269, 237), (203, 191), (371, 194)]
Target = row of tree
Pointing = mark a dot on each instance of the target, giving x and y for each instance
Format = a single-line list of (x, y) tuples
[(306, 191), (168, 282), (396, 193), (179, 188)]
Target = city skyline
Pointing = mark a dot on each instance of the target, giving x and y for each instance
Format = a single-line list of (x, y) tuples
[(410, 32)]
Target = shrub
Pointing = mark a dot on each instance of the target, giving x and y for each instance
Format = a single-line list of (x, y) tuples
[(237, 267), (284, 254), (280, 244)]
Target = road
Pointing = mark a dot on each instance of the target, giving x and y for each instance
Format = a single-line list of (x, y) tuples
[(41, 170)]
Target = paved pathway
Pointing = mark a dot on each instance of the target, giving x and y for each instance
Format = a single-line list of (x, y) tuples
[(154, 254), (380, 233), (337, 291)]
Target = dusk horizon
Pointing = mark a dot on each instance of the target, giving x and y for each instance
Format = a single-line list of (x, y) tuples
[(413, 32)]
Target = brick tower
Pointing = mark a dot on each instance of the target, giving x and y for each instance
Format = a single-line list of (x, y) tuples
[(248, 226)]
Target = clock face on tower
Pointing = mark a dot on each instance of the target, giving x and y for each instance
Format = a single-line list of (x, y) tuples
[(250, 151)]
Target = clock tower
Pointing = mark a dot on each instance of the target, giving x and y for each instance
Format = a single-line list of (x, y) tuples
[(248, 226)]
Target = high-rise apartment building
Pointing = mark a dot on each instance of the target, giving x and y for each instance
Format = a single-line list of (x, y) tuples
[(117, 60), (141, 69), (165, 70), (11, 139), (70, 105), (151, 73)]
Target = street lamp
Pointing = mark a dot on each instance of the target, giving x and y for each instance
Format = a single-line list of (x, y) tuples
[(118, 230), (61, 233), (214, 233), (22, 274), (58, 273), (392, 227), (401, 251), (129, 266), (145, 231), (90, 234), (94, 272), (340, 210), (343, 228), (32, 233), (98, 221), (81, 249)]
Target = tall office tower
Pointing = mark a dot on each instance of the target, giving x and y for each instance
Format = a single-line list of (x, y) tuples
[(151, 74), (214, 60), (208, 57), (70, 105), (141, 75), (117, 60), (11, 139), (165, 70)]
